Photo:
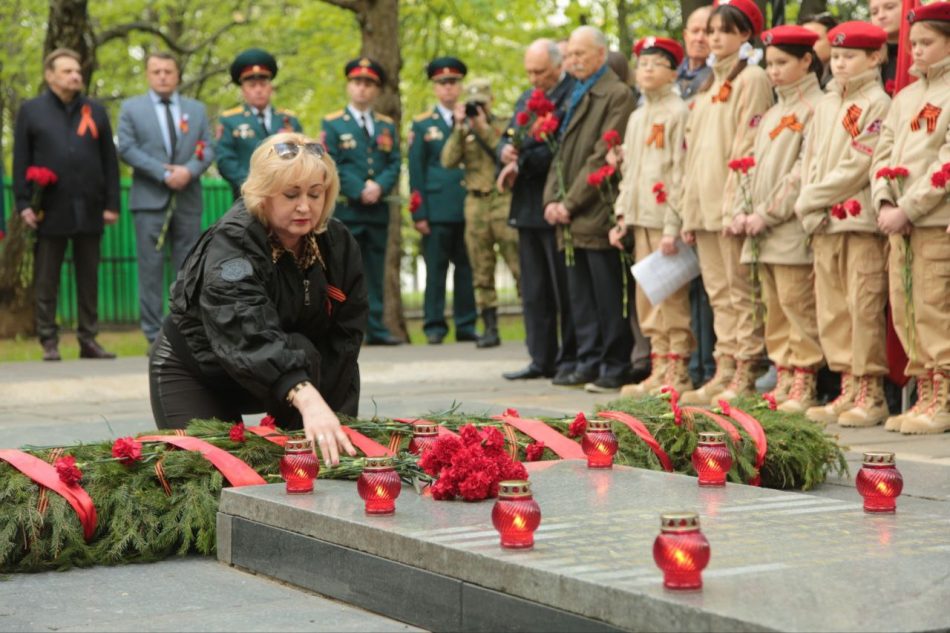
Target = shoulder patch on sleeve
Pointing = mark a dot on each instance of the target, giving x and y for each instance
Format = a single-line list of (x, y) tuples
[(233, 111), (333, 115), (236, 269)]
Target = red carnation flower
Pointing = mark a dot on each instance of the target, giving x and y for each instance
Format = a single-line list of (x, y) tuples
[(661, 197), (742, 165), (127, 450), (415, 201), (900, 172), (534, 451), (493, 440), (889, 86), (853, 207), (578, 426), (42, 176), (511, 413), (608, 171), (612, 138), (883, 172), (523, 117), (269, 421), (838, 212), (68, 472), (768, 397), (658, 187), (2, 235), (595, 178), (236, 434), (726, 409), (938, 180), (539, 103)]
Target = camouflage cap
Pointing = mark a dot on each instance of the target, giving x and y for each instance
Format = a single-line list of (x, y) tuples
[(478, 90)]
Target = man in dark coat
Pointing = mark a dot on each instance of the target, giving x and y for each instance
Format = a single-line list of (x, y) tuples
[(543, 274), (69, 134), (597, 103)]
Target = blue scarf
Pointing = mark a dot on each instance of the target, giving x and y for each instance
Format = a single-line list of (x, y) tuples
[(581, 88)]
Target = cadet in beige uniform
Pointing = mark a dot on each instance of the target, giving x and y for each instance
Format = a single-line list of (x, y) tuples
[(653, 157), (471, 146), (836, 210), (916, 136), (784, 256), (721, 128)]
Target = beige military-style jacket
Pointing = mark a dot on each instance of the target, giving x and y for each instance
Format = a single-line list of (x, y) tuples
[(461, 149), (775, 181), (838, 152), (721, 127), (916, 135), (653, 153)]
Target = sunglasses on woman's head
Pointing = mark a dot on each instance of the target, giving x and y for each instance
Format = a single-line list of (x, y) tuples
[(290, 150)]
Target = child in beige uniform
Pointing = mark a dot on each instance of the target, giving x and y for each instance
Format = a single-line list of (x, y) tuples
[(836, 210), (722, 127), (912, 210), (784, 257), (652, 175)]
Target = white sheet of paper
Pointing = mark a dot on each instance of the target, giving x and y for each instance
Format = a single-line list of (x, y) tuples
[(660, 275)]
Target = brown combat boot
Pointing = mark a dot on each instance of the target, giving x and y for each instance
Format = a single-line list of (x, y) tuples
[(828, 414), (925, 394), (936, 419), (783, 384), (658, 364), (725, 367), (870, 407), (802, 395), (742, 383), (677, 374)]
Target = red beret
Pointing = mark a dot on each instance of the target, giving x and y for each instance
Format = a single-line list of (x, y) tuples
[(789, 35), (749, 8), (939, 11), (857, 35), (670, 46)]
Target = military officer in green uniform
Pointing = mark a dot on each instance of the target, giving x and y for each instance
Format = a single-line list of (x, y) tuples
[(241, 129), (437, 206), (471, 145), (365, 146)]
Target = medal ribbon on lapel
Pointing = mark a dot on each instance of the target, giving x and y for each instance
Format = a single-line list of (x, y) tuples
[(790, 122), (86, 124), (656, 136), (929, 113), (850, 121), (724, 91)]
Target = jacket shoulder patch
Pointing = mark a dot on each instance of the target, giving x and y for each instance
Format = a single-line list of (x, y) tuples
[(236, 269)]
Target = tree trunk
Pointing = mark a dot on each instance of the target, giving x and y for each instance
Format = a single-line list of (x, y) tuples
[(379, 27), (813, 7), (68, 27), (623, 27)]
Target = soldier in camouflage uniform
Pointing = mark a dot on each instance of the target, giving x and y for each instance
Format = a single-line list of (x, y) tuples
[(471, 145)]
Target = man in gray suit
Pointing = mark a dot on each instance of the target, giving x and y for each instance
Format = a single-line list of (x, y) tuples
[(166, 139)]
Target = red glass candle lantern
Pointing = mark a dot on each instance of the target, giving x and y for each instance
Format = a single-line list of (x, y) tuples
[(379, 485), (879, 482), (299, 466), (681, 551), (599, 444), (712, 459), (516, 514), (424, 435)]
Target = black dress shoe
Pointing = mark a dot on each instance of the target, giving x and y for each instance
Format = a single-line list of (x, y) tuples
[(51, 351), (466, 337), (605, 384), (434, 339), (389, 339), (574, 379), (528, 373), (92, 349)]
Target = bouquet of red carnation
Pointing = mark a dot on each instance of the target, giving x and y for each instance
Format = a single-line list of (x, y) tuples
[(940, 179), (415, 201), (470, 466), (41, 177), (741, 167), (659, 191), (537, 108), (842, 210)]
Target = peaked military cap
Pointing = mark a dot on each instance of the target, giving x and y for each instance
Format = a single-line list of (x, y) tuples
[(253, 63), (446, 67), (365, 68)]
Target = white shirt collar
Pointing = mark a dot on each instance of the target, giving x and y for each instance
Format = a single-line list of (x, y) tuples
[(447, 114)]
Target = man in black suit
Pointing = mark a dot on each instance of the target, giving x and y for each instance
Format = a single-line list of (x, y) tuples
[(68, 133), (543, 273)]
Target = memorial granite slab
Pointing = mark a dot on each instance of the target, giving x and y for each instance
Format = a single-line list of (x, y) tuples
[(780, 560)]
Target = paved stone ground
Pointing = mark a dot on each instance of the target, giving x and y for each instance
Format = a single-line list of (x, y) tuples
[(84, 401)]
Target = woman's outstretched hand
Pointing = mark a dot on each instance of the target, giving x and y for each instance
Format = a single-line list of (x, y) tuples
[(321, 426)]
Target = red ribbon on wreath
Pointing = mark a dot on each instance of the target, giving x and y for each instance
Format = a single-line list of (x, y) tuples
[(234, 470), (638, 427), (541, 432)]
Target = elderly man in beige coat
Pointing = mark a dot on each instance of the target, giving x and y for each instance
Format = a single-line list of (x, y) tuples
[(596, 279)]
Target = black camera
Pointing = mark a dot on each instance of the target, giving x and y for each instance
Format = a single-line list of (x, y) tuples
[(472, 108)]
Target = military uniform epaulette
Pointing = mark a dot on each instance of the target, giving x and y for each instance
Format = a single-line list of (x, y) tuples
[(232, 111), (334, 115), (383, 117), (285, 112), (424, 116)]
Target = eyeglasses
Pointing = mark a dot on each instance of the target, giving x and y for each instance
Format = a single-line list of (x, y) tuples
[(290, 150), (649, 63)]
